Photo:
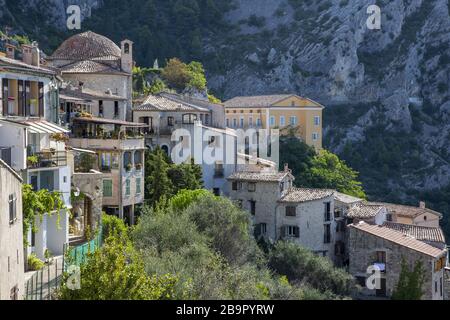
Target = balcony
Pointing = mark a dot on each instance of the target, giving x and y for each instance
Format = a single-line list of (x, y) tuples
[(47, 159)]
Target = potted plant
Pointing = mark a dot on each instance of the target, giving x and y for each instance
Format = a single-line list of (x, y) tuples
[(32, 160), (128, 167)]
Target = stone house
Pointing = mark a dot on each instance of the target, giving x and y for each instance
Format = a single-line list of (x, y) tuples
[(32, 144), (191, 129), (11, 234), (384, 247), (421, 215), (96, 102), (306, 217), (96, 63)]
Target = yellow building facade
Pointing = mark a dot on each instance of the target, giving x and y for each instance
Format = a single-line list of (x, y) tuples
[(285, 112)]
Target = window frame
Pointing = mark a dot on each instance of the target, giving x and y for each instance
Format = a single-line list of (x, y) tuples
[(108, 195), (290, 211)]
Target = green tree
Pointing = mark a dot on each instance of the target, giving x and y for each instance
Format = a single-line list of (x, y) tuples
[(177, 74), (328, 171), (410, 282), (184, 198), (299, 264), (116, 272), (184, 177), (197, 78), (157, 182)]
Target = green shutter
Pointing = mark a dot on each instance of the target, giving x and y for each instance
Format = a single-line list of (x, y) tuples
[(127, 187), (107, 188), (138, 185)]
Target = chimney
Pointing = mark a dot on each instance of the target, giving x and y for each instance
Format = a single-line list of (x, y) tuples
[(27, 56), (422, 205), (10, 51), (35, 55)]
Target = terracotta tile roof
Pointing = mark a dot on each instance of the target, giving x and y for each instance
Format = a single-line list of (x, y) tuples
[(162, 103), (258, 176), (408, 211), (262, 101), (345, 198), (363, 210), (89, 66), (109, 121), (418, 232), (6, 62), (87, 46), (398, 238), (87, 94), (305, 195)]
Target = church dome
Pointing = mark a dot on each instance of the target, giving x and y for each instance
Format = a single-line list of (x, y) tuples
[(87, 46)]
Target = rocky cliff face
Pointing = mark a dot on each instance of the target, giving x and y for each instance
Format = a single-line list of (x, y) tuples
[(386, 91), (398, 76)]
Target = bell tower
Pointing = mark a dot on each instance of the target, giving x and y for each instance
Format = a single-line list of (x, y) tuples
[(127, 56)]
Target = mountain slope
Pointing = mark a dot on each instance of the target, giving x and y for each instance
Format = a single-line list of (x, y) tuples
[(386, 91)]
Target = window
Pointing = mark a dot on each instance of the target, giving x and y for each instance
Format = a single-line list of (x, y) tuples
[(272, 121), (251, 187), (282, 121), (170, 121), (327, 233), (291, 211), (127, 48), (260, 229), (388, 217), (252, 204), (327, 213), (100, 108), (281, 186), (435, 287), (138, 185), (236, 185), (105, 159), (241, 124), (315, 136), (228, 122), (116, 108), (218, 170), (250, 121), (216, 191), (424, 218), (317, 120), (127, 160), (234, 123), (189, 118), (292, 103), (258, 122), (264, 231), (381, 257), (292, 231), (337, 212), (293, 120), (12, 208), (107, 188), (127, 187), (206, 119)]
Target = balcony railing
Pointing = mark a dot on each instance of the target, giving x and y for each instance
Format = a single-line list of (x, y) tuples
[(47, 159)]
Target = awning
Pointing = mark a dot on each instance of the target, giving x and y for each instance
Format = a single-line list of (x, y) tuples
[(43, 126), (36, 125), (83, 150)]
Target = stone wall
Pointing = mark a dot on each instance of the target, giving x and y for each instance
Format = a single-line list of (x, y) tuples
[(362, 254)]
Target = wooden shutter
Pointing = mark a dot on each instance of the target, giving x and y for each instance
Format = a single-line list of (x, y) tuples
[(21, 97), (27, 97), (297, 232), (5, 96), (41, 99)]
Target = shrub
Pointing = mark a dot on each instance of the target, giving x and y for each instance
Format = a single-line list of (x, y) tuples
[(34, 263)]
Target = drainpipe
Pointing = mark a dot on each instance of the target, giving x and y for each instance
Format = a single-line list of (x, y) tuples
[(275, 220)]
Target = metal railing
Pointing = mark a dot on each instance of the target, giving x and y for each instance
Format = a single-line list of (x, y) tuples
[(45, 282), (47, 159)]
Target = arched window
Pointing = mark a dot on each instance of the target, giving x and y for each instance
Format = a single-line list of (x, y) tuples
[(189, 118), (165, 148), (127, 161), (137, 157)]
